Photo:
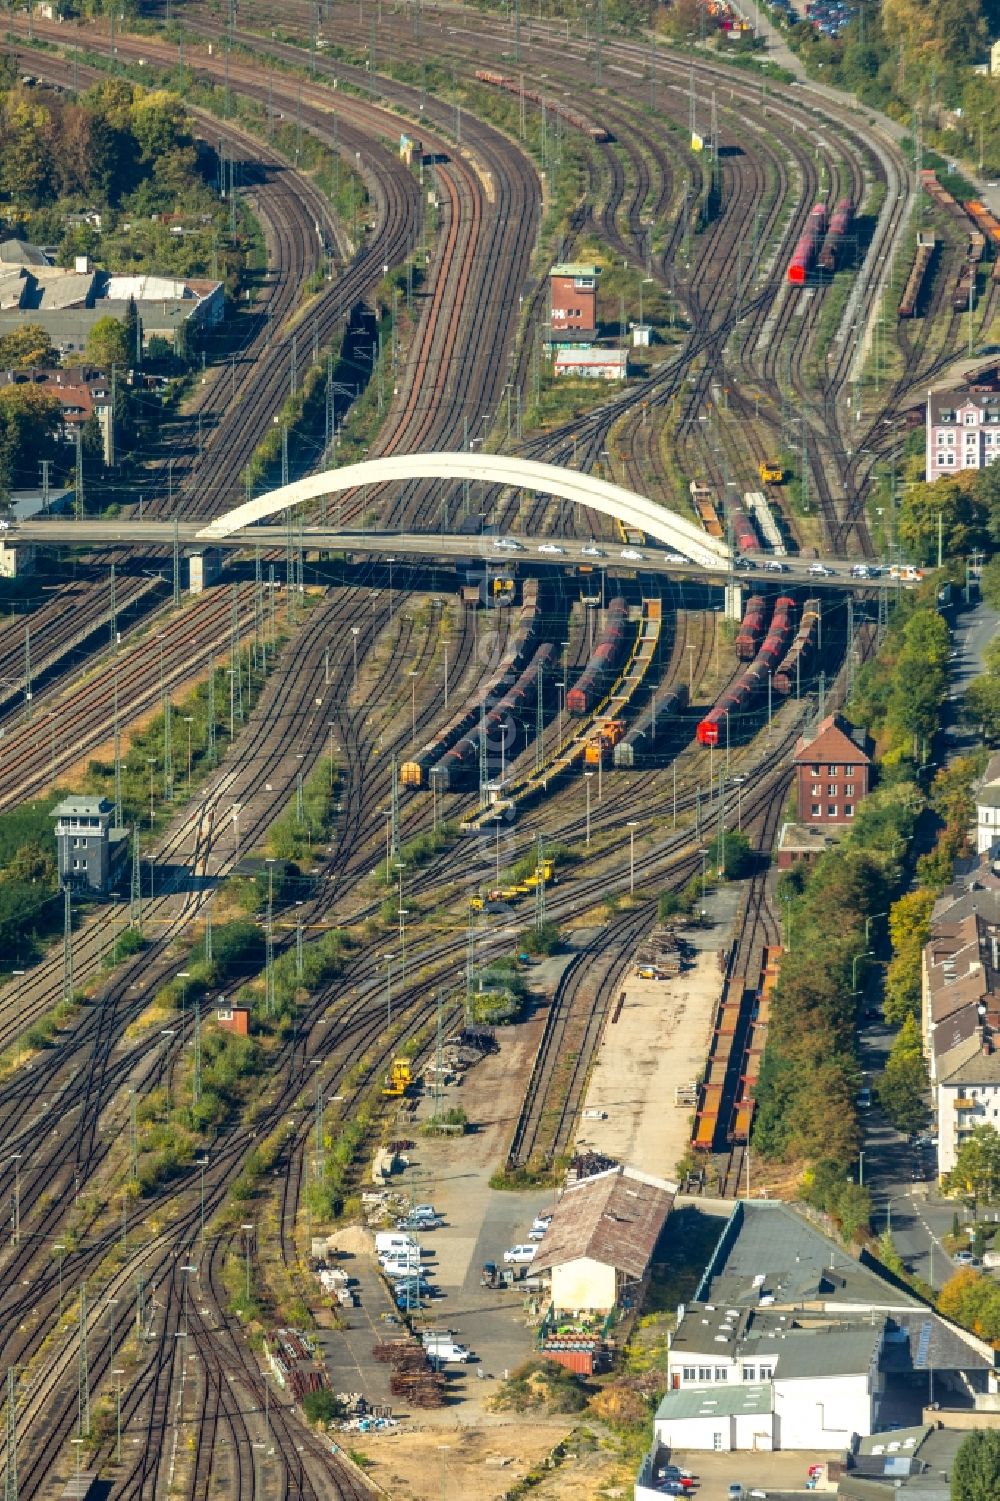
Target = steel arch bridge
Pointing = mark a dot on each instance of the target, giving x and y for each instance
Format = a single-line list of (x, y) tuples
[(675, 532)]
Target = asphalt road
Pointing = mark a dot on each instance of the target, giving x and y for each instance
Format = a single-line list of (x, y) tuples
[(917, 1214)]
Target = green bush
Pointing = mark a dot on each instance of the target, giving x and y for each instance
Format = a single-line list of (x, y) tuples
[(322, 1406), (546, 939)]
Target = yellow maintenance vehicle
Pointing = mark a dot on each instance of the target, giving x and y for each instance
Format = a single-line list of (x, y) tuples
[(771, 472), (398, 1079), (512, 893)]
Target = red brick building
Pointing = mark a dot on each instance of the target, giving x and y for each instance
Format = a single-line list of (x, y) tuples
[(832, 771), (573, 299), (234, 1019)]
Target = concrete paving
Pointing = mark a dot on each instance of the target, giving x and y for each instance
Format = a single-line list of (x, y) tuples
[(660, 1040), (774, 1474)]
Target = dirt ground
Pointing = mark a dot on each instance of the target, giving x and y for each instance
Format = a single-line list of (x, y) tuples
[(660, 1039), (483, 1461)]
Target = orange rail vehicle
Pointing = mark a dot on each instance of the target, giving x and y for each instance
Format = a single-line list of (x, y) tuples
[(607, 737)]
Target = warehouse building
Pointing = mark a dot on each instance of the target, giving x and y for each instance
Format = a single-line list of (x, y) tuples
[(604, 1230)]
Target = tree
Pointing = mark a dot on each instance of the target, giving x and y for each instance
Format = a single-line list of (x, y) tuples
[(975, 1475), (976, 1174), (30, 420), (26, 346), (322, 1406), (909, 930), (982, 705), (949, 506), (107, 344), (733, 852), (902, 1087)]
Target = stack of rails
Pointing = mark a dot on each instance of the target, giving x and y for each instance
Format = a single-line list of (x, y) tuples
[(751, 632), (456, 768), (988, 226), (752, 683), (808, 245), (741, 1119), (598, 675), (516, 86), (416, 773), (654, 725), (759, 507), (800, 653), (926, 246), (727, 1018), (840, 223)]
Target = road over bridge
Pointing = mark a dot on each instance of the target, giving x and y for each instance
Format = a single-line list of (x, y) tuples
[(536, 552)]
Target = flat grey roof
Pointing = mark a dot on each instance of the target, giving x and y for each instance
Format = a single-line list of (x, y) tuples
[(770, 1254)]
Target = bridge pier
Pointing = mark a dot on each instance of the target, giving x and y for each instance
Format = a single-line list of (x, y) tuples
[(734, 602)]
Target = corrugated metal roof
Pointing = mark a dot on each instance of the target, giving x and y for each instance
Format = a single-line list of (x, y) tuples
[(614, 1217), (722, 1401)]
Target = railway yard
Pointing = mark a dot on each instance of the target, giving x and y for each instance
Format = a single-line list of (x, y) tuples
[(449, 803)]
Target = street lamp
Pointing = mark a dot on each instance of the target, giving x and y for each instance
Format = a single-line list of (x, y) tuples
[(184, 975), (503, 753), (854, 969), (388, 990), (60, 1247), (118, 1373), (561, 687), (15, 1219), (631, 826), (413, 704), (247, 1239), (18, 974), (587, 777), (446, 645), (189, 720), (704, 857), (151, 762), (355, 633)]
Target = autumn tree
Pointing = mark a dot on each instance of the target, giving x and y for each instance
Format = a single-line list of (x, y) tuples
[(903, 1084), (30, 421), (25, 347), (909, 930), (976, 1174), (949, 507)]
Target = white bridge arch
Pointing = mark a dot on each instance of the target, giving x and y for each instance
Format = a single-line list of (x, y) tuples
[(495, 469)]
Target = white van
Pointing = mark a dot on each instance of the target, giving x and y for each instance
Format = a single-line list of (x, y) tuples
[(520, 1255), (392, 1240), (447, 1349)]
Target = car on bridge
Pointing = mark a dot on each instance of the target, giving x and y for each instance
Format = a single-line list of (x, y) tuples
[(632, 554), (507, 543), (820, 570), (548, 547), (591, 552)]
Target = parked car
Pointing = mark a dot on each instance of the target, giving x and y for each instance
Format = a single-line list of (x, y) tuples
[(864, 1098), (448, 1349), (541, 1222), (520, 1255), (965, 1258), (423, 1212)]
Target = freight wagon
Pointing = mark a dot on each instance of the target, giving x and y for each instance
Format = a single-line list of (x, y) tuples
[(598, 674), (833, 245), (751, 632), (809, 243), (553, 106), (458, 767), (742, 529), (926, 246), (415, 773), (799, 655), (652, 728), (751, 684)]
